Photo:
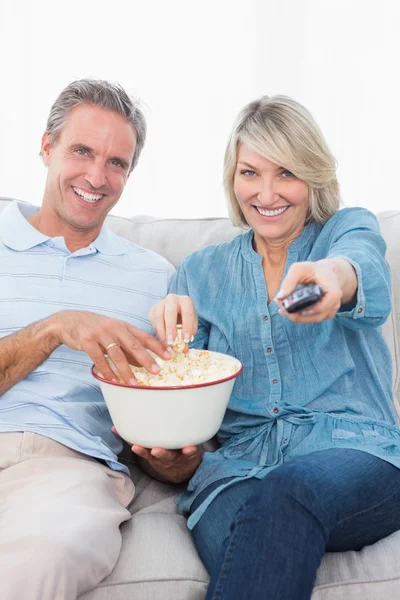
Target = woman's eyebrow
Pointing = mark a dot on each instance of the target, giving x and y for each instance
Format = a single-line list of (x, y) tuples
[(246, 164)]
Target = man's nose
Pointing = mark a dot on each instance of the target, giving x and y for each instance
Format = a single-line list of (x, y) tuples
[(96, 175)]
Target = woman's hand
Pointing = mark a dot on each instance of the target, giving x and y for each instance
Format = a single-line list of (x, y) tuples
[(337, 278), (165, 315)]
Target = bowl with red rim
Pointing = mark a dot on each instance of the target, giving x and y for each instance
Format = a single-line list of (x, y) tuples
[(169, 416)]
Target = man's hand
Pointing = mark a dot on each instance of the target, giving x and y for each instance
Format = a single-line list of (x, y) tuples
[(97, 335), (169, 465), (337, 278)]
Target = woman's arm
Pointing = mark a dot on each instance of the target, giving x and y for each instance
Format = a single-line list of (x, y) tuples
[(354, 274)]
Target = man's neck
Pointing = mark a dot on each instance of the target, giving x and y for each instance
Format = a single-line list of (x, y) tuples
[(74, 239)]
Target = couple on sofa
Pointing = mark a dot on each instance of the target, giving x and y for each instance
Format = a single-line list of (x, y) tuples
[(309, 452)]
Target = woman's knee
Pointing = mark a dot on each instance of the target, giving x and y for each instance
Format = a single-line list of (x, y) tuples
[(289, 487)]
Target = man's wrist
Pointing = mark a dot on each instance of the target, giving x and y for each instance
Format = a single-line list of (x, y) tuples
[(48, 333)]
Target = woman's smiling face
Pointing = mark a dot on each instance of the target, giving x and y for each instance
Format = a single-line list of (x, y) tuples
[(274, 202)]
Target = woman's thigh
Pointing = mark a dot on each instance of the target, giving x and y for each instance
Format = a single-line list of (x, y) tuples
[(356, 496)]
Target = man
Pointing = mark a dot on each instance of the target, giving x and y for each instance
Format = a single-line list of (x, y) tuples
[(71, 292)]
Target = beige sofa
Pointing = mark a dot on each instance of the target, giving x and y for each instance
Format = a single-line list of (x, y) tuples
[(158, 560)]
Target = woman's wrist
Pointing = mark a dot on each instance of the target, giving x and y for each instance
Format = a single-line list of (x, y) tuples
[(346, 276)]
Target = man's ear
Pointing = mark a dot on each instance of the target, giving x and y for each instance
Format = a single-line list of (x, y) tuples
[(46, 148)]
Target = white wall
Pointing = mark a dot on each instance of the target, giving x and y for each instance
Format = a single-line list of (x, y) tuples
[(194, 65)]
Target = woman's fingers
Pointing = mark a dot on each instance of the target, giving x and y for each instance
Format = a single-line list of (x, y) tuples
[(171, 312), (157, 319), (189, 318)]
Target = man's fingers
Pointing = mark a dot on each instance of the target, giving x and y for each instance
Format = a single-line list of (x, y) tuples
[(165, 456), (117, 355), (95, 352), (140, 451), (150, 342), (192, 451)]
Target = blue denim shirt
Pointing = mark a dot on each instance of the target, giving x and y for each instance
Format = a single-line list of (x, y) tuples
[(305, 387)]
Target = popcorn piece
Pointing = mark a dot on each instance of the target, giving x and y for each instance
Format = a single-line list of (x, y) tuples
[(193, 367)]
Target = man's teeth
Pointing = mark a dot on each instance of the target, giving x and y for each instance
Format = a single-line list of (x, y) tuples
[(271, 213), (86, 196)]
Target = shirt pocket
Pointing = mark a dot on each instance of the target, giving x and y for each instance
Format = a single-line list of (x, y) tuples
[(365, 434)]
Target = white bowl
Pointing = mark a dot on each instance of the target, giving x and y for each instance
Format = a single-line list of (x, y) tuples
[(168, 417)]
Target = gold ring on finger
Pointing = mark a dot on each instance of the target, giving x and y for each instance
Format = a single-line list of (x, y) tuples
[(112, 345)]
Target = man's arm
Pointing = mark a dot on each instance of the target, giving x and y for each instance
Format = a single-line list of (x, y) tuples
[(22, 352)]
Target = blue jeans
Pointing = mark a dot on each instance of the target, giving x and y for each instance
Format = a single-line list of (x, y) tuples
[(264, 539)]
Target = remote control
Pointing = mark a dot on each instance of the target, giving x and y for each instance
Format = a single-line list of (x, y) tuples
[(302, 298)]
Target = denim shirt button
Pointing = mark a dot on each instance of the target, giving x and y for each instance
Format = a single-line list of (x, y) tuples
[(284, 441), (275, 410), (274, 380), (360, 310), (265, 317), (269, 349)]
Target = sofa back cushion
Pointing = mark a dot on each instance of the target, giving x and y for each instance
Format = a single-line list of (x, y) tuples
[(175, 238)]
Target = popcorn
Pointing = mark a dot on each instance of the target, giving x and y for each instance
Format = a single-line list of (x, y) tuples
[(191, 368)]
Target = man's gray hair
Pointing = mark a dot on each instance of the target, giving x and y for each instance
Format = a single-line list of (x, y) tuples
[(101, 93)]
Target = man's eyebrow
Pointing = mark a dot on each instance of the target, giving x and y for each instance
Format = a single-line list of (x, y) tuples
[(79, 145), (125, 164)]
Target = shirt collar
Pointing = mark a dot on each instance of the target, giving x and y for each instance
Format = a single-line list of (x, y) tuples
[(303, 242), (15, 231), (109, 243), (18, 234)]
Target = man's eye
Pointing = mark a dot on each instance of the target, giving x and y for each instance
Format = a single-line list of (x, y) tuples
[(81, 151), (247, 172), (116, 163)]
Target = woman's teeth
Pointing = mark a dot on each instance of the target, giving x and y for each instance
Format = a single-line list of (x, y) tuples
[(87, 197), (271, 213)]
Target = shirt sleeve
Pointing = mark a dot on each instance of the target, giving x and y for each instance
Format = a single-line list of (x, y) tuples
[(180, 285), (357, 239)]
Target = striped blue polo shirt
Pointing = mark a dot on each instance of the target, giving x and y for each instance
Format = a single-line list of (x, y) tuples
[(39, 276)]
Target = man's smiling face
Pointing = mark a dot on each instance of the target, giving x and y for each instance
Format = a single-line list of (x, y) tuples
[(88, 167)]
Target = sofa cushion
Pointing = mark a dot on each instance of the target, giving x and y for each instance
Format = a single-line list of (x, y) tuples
[(368, 574), (158, 558)]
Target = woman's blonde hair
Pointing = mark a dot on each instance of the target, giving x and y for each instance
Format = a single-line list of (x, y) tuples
[(283, 131)]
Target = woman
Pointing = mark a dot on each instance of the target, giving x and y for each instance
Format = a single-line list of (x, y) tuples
[(310, 454)]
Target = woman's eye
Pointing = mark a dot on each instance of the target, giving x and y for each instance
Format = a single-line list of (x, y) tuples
[(248, 172), (286, 173)]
